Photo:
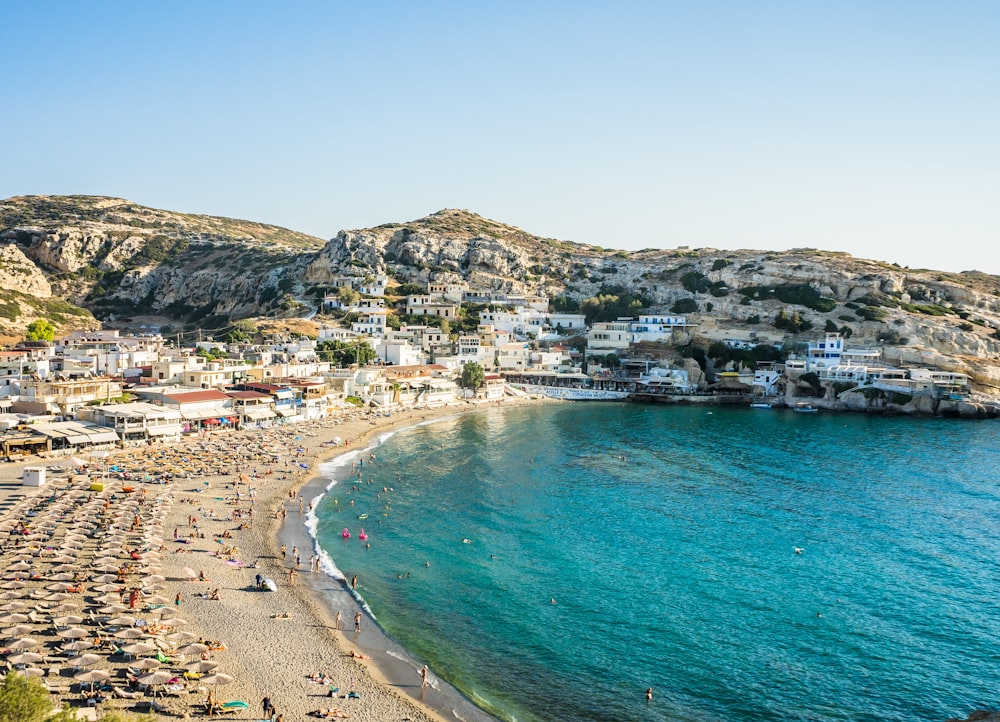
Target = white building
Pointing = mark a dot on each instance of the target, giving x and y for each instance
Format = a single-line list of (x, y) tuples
[(825, 353), (372, 323), (609, 337)]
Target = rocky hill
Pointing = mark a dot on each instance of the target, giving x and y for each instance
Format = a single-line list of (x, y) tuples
[(80, 259)]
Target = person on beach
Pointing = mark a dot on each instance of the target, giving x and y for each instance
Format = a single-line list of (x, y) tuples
[(423, 676), (357, 621), (354, 582), (266, 705), (291, 577), (284, 551), (177, 600)]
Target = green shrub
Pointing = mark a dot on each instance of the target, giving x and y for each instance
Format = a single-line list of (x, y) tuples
[(871, 313), (720, 263), (684, 305)]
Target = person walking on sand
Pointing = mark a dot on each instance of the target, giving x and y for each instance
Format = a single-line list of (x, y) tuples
[(177, 600), (284, 551), (357, 622), (291, 577), (423, 676), (354, 582), (336, 622), (268, 709)]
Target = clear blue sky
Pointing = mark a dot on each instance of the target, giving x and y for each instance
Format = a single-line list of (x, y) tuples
[(868, 127)]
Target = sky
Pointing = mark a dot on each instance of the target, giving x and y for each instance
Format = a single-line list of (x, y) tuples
[(869, 127)]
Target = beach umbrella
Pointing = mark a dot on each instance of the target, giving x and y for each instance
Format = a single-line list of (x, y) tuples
[(59, 586), (64, 559), (105, 568), (13, 584), (107, 588), (68, 620), (122, 621), (153, 579), (201, 666), (157, 599), (78, 645), (25, 658), (85, 660), (216, 678), (109, 598), (23, 643), (61, 577), (13, 606), (32, 672), (104, 578), (73, 633), (156, 677), (92, 676), (130, 633), (20, 566), (63, 607), (58, 597), (113, 608), (14, 618), (107, 560), (193, 649), (181, 637), (137, 648), (147, 664), (13, 594), (175, 622), (17, 630)]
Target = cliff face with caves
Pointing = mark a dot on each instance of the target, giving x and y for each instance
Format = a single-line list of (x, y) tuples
[(94, 258)]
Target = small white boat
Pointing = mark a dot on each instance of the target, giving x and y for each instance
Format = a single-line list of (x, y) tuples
[(805, 408), (760, 405)]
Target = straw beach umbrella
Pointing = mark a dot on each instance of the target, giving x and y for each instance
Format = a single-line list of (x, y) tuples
[(85, 660), (78, 645), (130, 633), (215, 679), (25, 658), (147, 664), (92, 676), (201, 665), (24, 643), (73, 633)]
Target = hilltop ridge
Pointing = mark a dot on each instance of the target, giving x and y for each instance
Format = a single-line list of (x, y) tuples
[(80, 260)]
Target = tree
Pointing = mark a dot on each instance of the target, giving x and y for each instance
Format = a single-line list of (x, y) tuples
[(473, 375), (41, 329), (347, 296), (343, 354), (25, 699)]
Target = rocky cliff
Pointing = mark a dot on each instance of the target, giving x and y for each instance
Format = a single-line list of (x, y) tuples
[(115, 259)]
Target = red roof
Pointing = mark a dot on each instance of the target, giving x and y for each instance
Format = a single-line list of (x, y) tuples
[(246, 395)]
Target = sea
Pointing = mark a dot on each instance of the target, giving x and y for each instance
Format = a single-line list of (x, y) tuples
[(554, 563)]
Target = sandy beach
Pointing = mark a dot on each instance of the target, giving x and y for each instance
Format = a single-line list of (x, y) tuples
[(233, 500)]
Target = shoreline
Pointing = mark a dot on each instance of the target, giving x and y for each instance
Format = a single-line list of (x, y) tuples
[(274, 656), (392, 664)]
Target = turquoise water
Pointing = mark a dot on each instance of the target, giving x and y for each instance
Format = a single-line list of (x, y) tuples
[(676, 568)]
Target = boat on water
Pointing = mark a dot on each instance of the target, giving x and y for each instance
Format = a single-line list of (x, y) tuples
[(760, 405), (805, 408)]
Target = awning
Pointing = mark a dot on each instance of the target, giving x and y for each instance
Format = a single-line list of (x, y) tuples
[(286, 412), (171, 429), (103, 437), (258, 414)]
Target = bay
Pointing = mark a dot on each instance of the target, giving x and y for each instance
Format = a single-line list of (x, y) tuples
[(554, 562)]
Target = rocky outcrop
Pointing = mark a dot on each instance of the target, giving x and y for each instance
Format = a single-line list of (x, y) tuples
[(18, 273), (120, 259)]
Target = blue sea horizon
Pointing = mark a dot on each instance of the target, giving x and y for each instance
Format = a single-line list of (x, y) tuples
[(553, 563)]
